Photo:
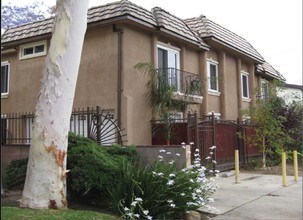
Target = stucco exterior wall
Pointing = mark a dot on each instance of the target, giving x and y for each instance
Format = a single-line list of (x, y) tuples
[(97, 79), (24, 83), (231, 88), (136, 114)]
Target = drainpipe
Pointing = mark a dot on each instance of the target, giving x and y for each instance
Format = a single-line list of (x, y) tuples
[(119, 100)]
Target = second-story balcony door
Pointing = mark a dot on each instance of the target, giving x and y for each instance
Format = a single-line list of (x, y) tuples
[(169, 63)]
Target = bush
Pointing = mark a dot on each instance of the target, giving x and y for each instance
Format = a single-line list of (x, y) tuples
[(160, 191), (15, 174), (93, 168)]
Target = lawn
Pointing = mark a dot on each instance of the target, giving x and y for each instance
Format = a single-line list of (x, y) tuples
[(14, 213)]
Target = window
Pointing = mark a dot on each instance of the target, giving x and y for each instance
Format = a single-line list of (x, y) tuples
[(176, 116), (212, 74), (245, 88), (5, 68), (33, 50), (264, 89), (169, 64)]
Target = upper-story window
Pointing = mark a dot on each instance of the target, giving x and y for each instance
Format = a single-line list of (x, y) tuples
[(5, 68), (169, 64), (264, 89), (212, 74), (33, 50), (245, 86)]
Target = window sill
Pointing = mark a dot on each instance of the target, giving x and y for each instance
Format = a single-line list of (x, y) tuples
[(4, 96), (246, 99), (188, 98), (214, 93)]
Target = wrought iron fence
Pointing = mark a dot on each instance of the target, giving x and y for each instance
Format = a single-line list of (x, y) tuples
[(182, 81), (94, 123)]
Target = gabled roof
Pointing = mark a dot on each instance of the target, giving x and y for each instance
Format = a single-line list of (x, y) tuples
[(176, 25), (158, 18), (209, 29), (267, 69)]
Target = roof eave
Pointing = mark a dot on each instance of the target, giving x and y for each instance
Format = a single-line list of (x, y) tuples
[(213, 38), (197, 43)]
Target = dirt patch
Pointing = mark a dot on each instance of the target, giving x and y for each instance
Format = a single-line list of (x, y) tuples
[(11, 198), (275, 170)]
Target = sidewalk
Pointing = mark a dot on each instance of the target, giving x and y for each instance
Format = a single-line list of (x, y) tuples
[(257, 196)]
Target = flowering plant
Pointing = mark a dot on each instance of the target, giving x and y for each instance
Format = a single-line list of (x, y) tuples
[(161, 191)]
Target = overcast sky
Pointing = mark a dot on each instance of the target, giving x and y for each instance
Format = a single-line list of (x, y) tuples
[(273, 27)]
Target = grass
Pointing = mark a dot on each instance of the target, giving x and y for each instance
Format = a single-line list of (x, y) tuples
[(14, 213)]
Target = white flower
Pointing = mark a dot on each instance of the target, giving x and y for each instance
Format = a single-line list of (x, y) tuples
[(178, 155), (184, 170), (171, 162), (172, 205), (160, 157), (215, 162), (172, 175), (191, 143), (161, 151), (168, 153), (191, 180), (149, 217), (138, 199), (170, 201), (211, 153), (207, 158), (217, 171), (182, 194), (137, 215), (160, 174), (126, 209), (170, 182), (145, 212), (134, 203), (213, 147), (197, 150)]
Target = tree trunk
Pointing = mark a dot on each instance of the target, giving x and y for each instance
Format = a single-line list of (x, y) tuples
[(45, 185)]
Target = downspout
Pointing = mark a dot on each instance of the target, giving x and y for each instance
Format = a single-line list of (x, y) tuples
[(119, 86)]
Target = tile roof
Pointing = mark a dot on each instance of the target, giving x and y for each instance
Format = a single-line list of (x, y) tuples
[(267, 69), (175, 25), (207, 28), (157, 18)]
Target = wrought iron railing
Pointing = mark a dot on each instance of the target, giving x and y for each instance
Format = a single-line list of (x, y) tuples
[(94, 123), (181, 81)]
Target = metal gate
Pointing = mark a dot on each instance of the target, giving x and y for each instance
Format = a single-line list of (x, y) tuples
[(224, 134)]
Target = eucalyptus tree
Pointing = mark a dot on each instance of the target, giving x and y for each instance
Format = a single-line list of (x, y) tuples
[(45, 185)]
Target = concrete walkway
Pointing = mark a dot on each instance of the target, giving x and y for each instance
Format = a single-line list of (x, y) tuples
[(257, 196)]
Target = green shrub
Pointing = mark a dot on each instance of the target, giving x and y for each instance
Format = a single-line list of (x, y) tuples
[(160, 191), (15, 174)]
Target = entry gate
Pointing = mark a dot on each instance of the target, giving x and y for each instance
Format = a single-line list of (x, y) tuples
[(224, 134)]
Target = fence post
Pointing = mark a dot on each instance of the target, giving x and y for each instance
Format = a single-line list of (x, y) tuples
[(98, 124), (284, 169), (236, 166), (295, 153), (214, 140)]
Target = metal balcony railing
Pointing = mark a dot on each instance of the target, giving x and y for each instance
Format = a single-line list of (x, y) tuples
[(181, 81)]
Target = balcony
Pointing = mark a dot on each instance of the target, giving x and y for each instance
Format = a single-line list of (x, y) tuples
[(183, 83)]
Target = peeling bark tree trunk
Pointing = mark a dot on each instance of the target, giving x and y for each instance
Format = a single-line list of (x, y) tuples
[(45, 185)]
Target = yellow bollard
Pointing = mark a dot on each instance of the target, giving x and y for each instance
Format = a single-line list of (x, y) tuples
[(236, 166), (295, 165), (284, 169)]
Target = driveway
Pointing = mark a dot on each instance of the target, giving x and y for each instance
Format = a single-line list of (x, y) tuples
[(257, 196)]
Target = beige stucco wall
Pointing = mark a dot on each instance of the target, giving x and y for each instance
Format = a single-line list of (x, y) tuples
[(136, 114), (231, 88), (24, 83)]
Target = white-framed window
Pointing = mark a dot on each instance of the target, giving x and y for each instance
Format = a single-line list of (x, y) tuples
[(212, 75), (5, 71), (245, 85), (169, 63), (31, 50), (264, 89)]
